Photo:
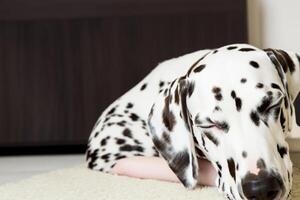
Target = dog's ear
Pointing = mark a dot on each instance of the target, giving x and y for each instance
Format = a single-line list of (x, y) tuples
[(287, 65), (288, 68), (171, 131)]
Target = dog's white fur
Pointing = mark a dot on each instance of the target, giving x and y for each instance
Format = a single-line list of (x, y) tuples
[(224, 69)]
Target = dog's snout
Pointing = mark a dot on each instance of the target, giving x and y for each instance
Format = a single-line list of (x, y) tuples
[(264, 186)]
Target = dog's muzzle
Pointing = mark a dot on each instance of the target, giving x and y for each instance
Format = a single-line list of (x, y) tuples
[(264, 186)]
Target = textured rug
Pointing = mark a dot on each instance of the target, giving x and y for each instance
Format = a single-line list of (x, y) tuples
[(79, 183)]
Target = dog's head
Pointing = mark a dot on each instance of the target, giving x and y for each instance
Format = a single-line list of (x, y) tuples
[(235, 108)]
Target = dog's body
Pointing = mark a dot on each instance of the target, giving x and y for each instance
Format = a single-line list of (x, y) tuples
[(206, 104), (129, 114)]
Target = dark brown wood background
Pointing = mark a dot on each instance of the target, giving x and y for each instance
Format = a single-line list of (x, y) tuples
[(62, 62)]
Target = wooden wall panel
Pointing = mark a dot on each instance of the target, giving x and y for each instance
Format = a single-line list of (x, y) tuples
[(57, 75)]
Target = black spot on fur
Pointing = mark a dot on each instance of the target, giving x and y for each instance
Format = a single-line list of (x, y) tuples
[(112, 166), (110, 123), (129, 105), (276, 113), (199, 68), (105, 156), (166, 92), (244, 154), (275, 86), (278, 62), (255, 118), (143, 86), (210, 136), (96, 134), (136, 141), (217, 108), (282, 121), (166, 137), (134, 117), (263, 107), (191, 87), (179, 164), (232, 47), (161, 146), (219, 173), (218, 97), (195, 140), (199, 152), (221, 125), (103, 142), (261, 164), (197, 120), (231, 167), (173, 82), (246, 49), (203, 144), (120, 157), (192, 67), (219, 166), (217, 92), (128, 147), (143, 122), (281, 150), (92, 156), (176, 95), (259, 85), (111, 111), (286, 60), (215, 51), (168, 116), (121, 123), (243, 80), (183, 96), (270, 93), (233, 94), (254, 64), (161, 83), (127, 133), (238, 103), (138, 154), (120, 141)]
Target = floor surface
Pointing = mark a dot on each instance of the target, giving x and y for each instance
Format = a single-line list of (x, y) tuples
[(13, 168)]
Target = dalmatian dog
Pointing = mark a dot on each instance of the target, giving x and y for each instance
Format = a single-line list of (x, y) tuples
[(232, 106)]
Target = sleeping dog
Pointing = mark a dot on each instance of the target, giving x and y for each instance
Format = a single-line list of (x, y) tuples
[(232, 106)]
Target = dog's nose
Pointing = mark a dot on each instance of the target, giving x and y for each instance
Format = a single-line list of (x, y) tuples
[(263, 186)]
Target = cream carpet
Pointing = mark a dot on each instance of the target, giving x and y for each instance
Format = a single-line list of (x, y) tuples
[(79, 183)]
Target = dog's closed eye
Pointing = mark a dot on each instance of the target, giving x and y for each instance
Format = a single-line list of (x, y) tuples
[(209, 123)]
